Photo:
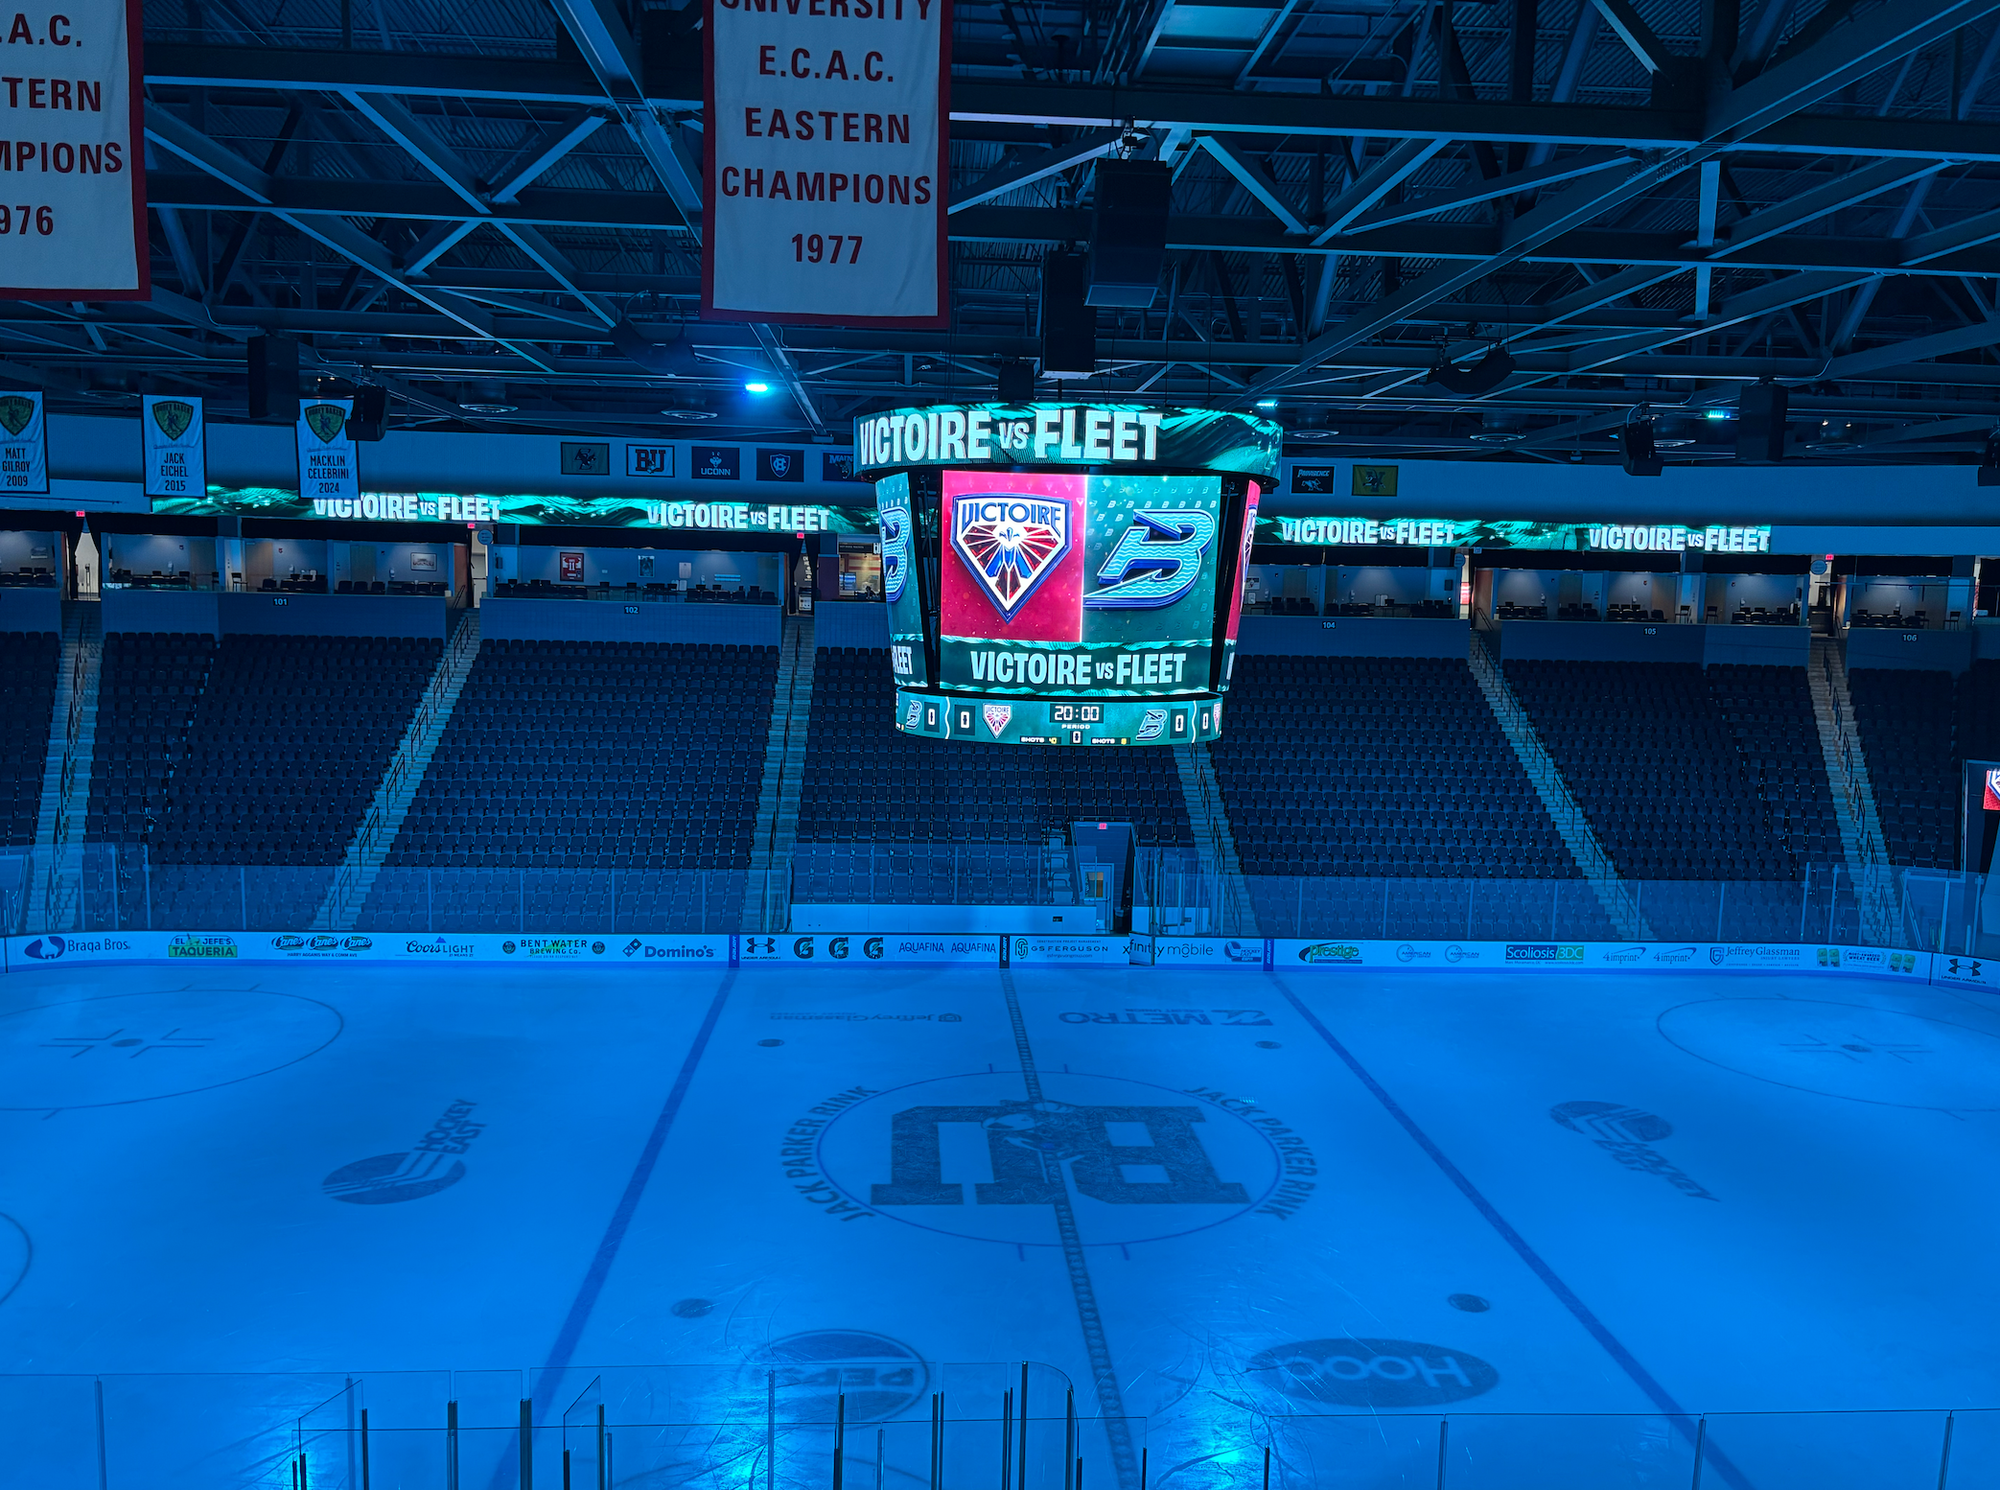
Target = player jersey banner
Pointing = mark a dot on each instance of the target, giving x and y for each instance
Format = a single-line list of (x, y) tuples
[(75, 217), (1054, 584), (825, 173), (328, 471), (24, 444), (174, 440)]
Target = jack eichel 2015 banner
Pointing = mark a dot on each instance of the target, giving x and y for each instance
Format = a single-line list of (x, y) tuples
[(825, 173), (72, 177)]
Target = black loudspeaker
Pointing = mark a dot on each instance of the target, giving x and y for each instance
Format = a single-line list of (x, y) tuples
[(1760, 424), (274, 379), (371, 413), (1128, 231), (1635, 444), (1017, 383), (1069, 325)]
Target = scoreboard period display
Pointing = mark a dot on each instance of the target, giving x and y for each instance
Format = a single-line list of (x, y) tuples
[(1064, 574)]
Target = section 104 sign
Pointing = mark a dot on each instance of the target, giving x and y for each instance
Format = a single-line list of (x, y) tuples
[(824, 162)]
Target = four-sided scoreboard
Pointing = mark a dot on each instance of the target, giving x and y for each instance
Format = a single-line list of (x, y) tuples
[(1064, 574)]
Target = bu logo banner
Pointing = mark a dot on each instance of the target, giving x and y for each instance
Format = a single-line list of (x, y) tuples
[(1010, 542)]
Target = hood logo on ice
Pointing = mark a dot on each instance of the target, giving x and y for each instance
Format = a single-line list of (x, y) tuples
[(1372, 1373), (1628, 1134), (430, 1165)]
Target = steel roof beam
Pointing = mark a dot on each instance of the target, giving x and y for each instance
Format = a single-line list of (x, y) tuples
[(1636, 34), (1035, 166), (1396, 165), (1255, 180), (1535, 178), (1850, 53)]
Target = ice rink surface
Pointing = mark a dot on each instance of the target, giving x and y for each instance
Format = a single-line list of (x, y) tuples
[(1318, 1211)]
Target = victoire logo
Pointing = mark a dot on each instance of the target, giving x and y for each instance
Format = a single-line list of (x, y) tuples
[(1373, 1373), (430, 1165), (1544, 952)]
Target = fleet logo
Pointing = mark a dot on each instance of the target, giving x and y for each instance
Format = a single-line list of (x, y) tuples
[(1544, 952), (1330, 952), (892, 510), (1627, 1135), (1010, 542), (1152, 726), (430, 1165), (913, 715), (996, 716), (1156, 561), (1373, 1373)]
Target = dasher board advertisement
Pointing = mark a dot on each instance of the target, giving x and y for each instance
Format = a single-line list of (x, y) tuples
[(825, 175), (74, 220), (1057, 585)]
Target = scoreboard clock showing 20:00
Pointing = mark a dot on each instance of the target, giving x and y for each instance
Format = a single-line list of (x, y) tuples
[(1064, 574)]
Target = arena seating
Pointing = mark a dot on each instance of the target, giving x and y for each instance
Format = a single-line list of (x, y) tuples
[(1367, 769), (1906, 719), (1769, 711), (27, 700), (1656, 764), (286, 745), (591, 784), (868, 784)]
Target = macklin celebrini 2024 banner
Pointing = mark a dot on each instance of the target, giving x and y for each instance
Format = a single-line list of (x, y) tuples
[(72, 183), (824, 162)]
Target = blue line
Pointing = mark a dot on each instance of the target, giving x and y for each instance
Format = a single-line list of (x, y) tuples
[(571, 1333), (1613, 1346)]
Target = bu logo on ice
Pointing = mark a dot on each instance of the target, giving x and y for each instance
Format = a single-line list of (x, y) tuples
[(1030, 1145), (1009, 542)]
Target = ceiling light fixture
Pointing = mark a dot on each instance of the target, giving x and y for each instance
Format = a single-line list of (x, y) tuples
[(756, 387)]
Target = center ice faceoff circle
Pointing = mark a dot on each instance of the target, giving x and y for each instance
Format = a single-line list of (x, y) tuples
[(975, 1156), (1853, 1051), (135, 1047)]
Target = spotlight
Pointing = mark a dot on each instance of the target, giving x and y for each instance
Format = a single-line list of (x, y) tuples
[(1717, 414), (756, 387), (1267, 403)]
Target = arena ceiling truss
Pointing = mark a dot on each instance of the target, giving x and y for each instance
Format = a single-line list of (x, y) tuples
[(1646, 203)]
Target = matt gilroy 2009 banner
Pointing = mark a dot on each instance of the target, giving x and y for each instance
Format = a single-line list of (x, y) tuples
[(74, 217), (824, 162)]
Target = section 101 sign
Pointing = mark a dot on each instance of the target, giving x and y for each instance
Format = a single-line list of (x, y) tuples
[(825, 171)]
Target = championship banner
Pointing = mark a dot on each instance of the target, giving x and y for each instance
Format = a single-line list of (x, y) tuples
[(76, 218), (175, 438), (824, 167), (24, 444), (328, 471)]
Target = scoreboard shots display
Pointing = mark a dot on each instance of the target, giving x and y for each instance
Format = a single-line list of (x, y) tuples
[(1064, 574)]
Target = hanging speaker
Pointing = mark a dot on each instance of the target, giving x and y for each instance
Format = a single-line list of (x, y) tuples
[(1128, 231), (371, 413), (1069, 324), (1635, 444), (1760, 424), (274, 379)]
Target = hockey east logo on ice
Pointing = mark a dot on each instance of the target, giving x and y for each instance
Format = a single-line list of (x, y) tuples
[(429, 1165), (1627, 1134)]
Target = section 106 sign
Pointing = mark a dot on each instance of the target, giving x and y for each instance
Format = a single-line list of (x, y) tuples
[(825, 171)]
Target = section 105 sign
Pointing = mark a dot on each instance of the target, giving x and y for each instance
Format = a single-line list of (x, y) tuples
[(825, 168)]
